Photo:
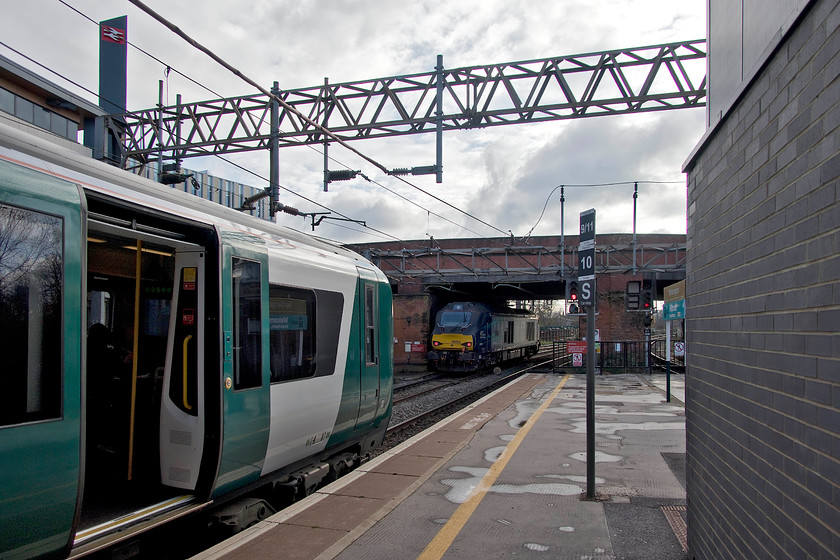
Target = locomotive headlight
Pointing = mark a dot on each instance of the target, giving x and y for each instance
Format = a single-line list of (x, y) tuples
[(468, 344), (435, 343)]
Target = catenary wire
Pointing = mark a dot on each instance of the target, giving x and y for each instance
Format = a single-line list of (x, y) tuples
[(175, 29), (591, 185), (196, 82), (255, 174), (48, 69), (170, 67), (208, 89), (220, 157), (183, 35), (526, 236)]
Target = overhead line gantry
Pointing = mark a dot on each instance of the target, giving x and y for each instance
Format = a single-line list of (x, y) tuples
[(653, 78)]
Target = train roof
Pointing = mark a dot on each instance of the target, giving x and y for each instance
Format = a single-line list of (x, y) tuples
[(30, 150)]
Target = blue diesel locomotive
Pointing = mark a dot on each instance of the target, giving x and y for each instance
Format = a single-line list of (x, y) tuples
[(470, 336), (163, 354)]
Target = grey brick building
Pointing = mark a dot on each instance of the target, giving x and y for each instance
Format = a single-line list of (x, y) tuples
[(763, 286)]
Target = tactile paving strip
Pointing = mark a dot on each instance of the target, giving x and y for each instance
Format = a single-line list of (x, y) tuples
[(675, 519)]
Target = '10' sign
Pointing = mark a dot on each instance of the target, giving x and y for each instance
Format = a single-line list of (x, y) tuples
[(586, 258)]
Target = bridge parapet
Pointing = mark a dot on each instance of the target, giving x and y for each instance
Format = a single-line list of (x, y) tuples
[(542, 259)]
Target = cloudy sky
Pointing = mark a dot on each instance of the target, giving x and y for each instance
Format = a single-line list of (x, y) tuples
[(502, 175)]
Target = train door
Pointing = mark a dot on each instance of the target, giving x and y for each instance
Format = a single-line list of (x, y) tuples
[(245, 401), (41, 283), (144, 291), (182, 411), (370, 327)]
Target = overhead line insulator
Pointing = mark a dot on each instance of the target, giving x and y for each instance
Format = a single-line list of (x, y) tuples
[(341, 175), (421, 170)]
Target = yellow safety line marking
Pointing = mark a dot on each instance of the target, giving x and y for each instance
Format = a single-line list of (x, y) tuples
[(443, 540)]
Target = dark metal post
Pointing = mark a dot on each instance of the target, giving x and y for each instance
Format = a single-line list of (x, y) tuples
[(326, 143), (160, 130), (175, 153), (590, 401), (562, 233), (439, 119), (635, 197), (274, 152)]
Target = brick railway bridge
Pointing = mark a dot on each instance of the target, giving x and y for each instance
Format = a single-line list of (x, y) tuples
[(428, 274)]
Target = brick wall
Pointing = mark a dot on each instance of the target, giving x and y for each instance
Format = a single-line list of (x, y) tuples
[(613, 321), (411, 324), (763, 311)]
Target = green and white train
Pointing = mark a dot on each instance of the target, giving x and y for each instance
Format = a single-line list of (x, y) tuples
[(162, 354)]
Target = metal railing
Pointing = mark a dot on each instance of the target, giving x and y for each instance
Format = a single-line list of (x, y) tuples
[(627, 356)]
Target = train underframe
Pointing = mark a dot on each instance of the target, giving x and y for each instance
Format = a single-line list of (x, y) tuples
[(467, 362)]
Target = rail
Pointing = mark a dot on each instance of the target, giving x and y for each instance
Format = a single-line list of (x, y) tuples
[(464, 398)]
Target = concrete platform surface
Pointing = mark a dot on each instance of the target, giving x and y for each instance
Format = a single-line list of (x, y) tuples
[(506, 478)]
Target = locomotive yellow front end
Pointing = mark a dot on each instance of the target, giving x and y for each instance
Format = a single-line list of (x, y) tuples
[(447, 342)]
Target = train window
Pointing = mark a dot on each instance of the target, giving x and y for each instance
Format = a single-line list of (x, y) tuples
[(532, 331), (305, 324), (31, 281), (371, 354), (293, 323), (247, 324)]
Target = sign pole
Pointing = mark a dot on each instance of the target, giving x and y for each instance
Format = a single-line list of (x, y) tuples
[(586, 278), (590, 401)]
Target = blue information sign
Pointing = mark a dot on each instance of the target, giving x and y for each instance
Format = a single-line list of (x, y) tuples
[(674, 310)]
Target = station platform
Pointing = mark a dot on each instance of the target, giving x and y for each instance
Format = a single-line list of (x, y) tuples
[(506, 477)]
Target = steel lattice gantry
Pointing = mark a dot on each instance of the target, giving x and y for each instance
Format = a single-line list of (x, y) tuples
[(661, 77)]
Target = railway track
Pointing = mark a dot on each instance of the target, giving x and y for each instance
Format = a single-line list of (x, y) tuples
[(658, 362), (425, 379), (445, 405), (435, 386)]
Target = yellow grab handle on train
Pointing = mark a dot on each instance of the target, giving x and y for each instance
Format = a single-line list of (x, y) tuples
[(184, 383)]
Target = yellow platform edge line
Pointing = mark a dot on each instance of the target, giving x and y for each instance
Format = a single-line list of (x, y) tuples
[(444, 538)]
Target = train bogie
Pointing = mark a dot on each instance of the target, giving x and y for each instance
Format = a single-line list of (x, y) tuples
[(163, 352)]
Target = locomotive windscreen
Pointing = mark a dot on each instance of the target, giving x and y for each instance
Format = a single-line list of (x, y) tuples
[(455, 318)]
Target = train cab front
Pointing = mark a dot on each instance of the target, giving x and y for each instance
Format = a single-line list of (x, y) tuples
[(454, 339), (452, 352)]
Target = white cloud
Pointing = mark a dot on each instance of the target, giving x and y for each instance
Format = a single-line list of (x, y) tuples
[(501, 175)]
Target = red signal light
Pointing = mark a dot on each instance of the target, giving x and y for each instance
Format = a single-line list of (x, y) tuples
[(572, 290)]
